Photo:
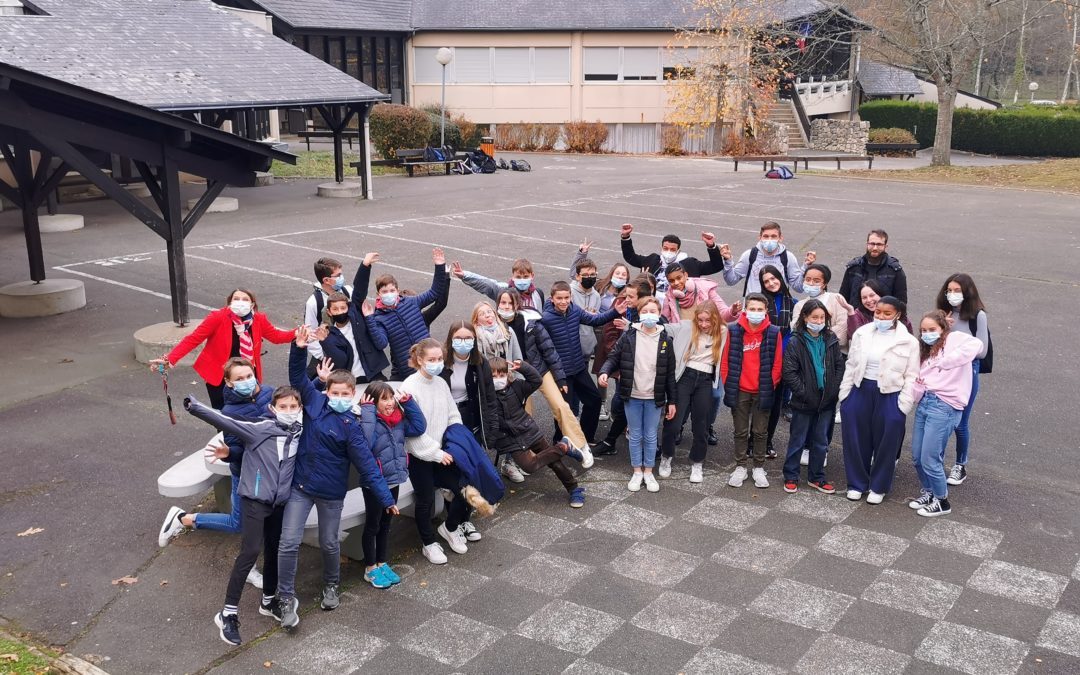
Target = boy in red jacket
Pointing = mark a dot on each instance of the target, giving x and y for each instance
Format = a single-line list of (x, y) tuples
[(750, 370)]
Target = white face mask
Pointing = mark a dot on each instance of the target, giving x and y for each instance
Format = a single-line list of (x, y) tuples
[(954, 299), (288, 418), (669, 256), (499, 382), (507, 314), (240, 308), (812, 290)]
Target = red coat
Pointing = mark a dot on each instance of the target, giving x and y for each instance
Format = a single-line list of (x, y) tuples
[(217, 331)]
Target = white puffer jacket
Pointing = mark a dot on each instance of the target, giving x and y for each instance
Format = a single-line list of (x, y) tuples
[(897, 370)]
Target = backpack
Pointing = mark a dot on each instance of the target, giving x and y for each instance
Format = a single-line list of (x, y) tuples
[(750, 267), (986, 365), (519, 165), (503, 164), (779, 172)]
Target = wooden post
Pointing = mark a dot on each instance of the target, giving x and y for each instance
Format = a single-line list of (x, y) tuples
[(365, 154), (23, 171), (174, 244)]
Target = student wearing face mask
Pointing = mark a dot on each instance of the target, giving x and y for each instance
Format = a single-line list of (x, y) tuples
[(645, 359), (781, 312), (520, 437), (750, 370), (493, 336), (685, 293), (612, 283), (670, 252), (959, 299), (869, 294), (942, 391), (630, 295), (235, 330), (770, 250), (347, 343), (584, 294), (876, 396), (522, 280), (816, 280), (874, 265), (330, 275)]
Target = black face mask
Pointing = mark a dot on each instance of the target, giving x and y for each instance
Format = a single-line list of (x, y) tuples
[(340, 319), (588, 282)]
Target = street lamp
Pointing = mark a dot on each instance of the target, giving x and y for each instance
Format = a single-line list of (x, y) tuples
[(1033, 87), (444, 56)]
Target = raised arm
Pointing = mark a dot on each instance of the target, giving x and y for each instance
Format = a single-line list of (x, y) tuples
[(310, 397), (273, 333), (415, 422), (203, 331), (735, 271), (440, 282), (483, 285), (243, 430)]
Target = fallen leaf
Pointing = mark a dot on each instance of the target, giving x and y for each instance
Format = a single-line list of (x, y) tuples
[(127, 581), (423, 584), (268, 664), (13, 658), (67, 360), (30, 531), (164, 582), (63, 584)]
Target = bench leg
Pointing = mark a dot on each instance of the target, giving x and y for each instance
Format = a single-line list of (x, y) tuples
[(736, 166), (223, 495), (837, 165), (869, 162), (410, 170)]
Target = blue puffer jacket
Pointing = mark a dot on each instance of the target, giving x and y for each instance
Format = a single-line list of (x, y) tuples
[(563, 329), (251, 408), (329, 443), (388, 443), (403, 325)]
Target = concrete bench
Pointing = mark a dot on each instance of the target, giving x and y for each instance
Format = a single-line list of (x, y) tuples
[(194, 475)]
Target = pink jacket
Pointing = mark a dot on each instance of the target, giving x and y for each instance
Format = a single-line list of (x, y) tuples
[(948, 375), (698, 290)]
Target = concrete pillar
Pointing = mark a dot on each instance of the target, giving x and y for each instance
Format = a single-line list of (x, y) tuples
[(157, 339), (27, 299), (61, 222)]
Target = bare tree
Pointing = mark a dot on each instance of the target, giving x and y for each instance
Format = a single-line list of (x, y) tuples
[(1074, 18)]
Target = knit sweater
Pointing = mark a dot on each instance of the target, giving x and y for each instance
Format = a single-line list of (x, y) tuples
[(433, 396)]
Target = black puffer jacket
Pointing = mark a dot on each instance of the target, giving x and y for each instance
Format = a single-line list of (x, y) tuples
[(518, 430), (799, 376), (481, 394), (537, 345), (621, 357)]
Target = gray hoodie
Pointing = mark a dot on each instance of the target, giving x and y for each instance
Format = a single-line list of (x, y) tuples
[(269, 452)]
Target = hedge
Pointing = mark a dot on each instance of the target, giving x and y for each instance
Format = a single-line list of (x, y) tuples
[(399, 126), (453, 133), (1029, 130)]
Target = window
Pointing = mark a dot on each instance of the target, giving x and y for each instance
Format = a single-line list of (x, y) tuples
[(367, 58), (317, 47), (472, 65), (679, 62), (335, 57), (512, 64), (426, 70), (551, 65), (640, 63), (352, 57), (601, 64)]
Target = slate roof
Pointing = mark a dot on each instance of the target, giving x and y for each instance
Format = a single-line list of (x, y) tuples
[(882, 79), (171, 55), (368, 15)]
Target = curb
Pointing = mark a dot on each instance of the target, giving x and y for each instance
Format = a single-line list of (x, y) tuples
[(65, 663)]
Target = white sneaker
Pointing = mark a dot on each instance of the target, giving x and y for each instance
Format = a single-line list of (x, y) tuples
[(510, 470), (254, 578), (517, 466), (650, 483), (586, 456), (826, 462), (456, 539), (635, 482), (874, 498), (470, 531), (836, 417), (805, 459), (695, 473), (665, 467), (434, 554), (854, 495), (170, 527), (604, 414), (760, 481), (737, 477)]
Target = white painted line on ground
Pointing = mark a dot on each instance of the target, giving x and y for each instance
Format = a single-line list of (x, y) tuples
[(66, 269), (514, 235), (455, 248), (345, 255), (774, 206), (706, 226), (250, 269), (805, 196), (614, 230), (756, 216)]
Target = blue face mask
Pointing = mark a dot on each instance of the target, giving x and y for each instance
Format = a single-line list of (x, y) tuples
[(339, 282), (245, 387), (812, 291), (388, 299), (649, 319), (523, 284), (339, 404), (755, 318), (884, 325), (433, 369), (769, 245), (462, 346), (931, 338), (815, 328), (618, 283)]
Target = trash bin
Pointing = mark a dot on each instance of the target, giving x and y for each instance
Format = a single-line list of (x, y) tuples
[(487, 144)]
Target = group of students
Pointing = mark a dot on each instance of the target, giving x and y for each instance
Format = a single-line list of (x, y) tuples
[(461, 413)]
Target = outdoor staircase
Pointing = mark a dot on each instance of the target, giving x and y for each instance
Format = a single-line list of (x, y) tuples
[(783, 112)]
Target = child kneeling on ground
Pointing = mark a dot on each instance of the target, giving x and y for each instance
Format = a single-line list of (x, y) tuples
[(269, 447), (387, 419), (521, 437)]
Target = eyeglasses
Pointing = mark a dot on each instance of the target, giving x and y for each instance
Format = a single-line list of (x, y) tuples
[(874, 244)]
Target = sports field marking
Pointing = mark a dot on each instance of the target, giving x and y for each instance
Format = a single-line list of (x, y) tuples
[(636, 217), (771, 206), (803, 196), (513, 234), (756, 216), (338, 254), (67, 270), (453, 248)]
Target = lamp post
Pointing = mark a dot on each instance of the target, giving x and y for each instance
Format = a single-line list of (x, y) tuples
[(444, 56), (1033, 87)]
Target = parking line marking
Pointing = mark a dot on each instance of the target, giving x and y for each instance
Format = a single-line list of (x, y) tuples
[(279, 275), (455, 248), (710, 211), (342, 255), (515, 235), (67, 270), (772, 206), (804, 196), (707, 226)]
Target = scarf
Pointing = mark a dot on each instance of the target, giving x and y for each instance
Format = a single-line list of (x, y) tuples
[(526, 295), (816, 347), (393, 419), (493, 341), (243, 329)]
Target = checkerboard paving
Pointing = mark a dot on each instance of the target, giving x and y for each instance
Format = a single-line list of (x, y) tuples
[(589, 587)]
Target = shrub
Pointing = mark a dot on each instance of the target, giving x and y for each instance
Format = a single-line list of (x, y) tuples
[(507, 137), (471, 132), (531, 136), (585, 136), (453, 133), (399, 126), (891, 135), (671, 140), (549, 136)]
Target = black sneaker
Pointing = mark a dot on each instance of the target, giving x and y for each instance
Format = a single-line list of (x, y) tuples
[(713, 438), (923, 500), (770, 451), (957, 476), (271, 609), (938, 507), (228, 627), (604, 448)]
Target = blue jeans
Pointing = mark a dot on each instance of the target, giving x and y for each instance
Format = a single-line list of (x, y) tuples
[(935, 421), (963, 435), (808, 430), (643, 419), (292, 532), (222, 522)]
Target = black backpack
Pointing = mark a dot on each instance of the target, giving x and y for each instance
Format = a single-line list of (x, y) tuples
[(519, 165), (986, 365), (481, 162)]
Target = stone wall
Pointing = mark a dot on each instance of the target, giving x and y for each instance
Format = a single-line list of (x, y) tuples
[(773, 138), (839, 135)]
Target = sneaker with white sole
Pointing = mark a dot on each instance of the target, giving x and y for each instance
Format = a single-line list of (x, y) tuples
[(925, 498), (271, 609), (760, 481), (577, 498), (255, 578), (228, 627), (605, 415), (696, 475), (650, 483), (938, 507), (510, 470), (434, 554), (635, 482), (737, 477), (665, 467), (470, 532), (170, 527), (456, 539), (517, 466), (583, 455), (854, 495), (290, 615), (804, 460), (330, 599), (874, 498), (957, 475)]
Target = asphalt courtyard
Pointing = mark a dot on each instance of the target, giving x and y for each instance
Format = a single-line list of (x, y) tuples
[(693, 579)]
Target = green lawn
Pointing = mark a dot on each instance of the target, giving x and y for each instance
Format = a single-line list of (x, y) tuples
[(320, 164), (1058, 175), (17, 659)]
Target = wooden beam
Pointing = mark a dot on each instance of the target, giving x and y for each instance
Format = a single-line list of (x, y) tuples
[(51, 183), (23, 165), (152, 184), (174, 242), (213, 189), (10, 193)]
